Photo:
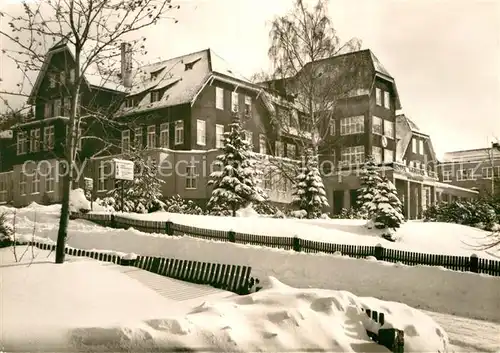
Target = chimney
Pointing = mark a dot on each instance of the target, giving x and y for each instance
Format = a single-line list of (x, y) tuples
[(126, 64)]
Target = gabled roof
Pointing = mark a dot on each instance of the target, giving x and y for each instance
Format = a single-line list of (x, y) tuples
[(405, 130)]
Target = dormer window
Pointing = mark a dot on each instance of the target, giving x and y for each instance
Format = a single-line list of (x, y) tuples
[(190, 65), (155, 74), (155, 96), (130, 102)]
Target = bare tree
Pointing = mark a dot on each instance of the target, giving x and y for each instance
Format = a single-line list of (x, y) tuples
[(95, 30)]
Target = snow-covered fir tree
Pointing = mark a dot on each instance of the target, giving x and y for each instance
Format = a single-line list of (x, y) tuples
[(309, 191), (387, 208), (236, 185), (141, 195), (370, 179)]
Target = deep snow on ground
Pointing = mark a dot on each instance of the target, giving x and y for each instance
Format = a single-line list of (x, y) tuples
[(83, 305), (431, 288)]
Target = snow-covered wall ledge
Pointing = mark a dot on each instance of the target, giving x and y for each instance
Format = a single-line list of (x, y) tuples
[(424, 287)]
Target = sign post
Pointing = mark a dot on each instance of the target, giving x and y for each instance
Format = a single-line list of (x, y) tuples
[(123, 170)]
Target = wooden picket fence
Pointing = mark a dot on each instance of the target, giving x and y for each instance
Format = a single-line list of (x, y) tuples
[(457, 263), (233, 278)]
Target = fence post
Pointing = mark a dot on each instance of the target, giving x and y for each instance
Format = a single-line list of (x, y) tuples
[(296, 244), (168, 228), (231, 235), (112, 222), (379, 252), (474, 263)]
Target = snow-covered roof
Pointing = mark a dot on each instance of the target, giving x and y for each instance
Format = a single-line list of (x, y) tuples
[(405, 129)]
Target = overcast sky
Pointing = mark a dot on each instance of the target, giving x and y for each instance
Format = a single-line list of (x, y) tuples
[(444, 55)]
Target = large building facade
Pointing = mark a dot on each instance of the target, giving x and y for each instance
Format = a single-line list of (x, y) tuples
[(176, 111)]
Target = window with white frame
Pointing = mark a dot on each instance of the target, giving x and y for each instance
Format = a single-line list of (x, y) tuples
[(155, 96), (280, 149), (179, 132), (62, 77), (201, 132), (47, 110), (417, 164), (219, 136), (331, 127), (377, 125), (125, 141), (388, 129), (48, 137), (101, 179), (353, 155), (378, 96), (22, 183), (35, 182), (52, 79), (262, 144), (487, 172), (377, 154), (164, 135), (447, 175), (248, 105), (267, 176), (57, 107), (352, 125), (421, 147), (151, 141), (3, 186), (191, 177), (138, 137), (22, 142), (414, 145), (249, 136), (291, 150), (235, 104), (35, 140), (465, 174), (49, 179), (72, 75), (219, 98), (387, 100), (388, 156)]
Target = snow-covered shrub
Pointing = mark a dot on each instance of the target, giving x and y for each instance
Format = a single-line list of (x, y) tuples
[(309, 191), (386, 207), (350, 213), (235, 186), (324, 216), (248, 211), (370, 180), (103, 205), (78, 203), (298, 214), (6, 232), (475, 213), (268, 209), (176, 204)]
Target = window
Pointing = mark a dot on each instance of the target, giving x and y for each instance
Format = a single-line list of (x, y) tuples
[(447, 175), (35, 182), (138, 137), (421, 147), (487, 173), (387, 100), (388, 156), (417, 164), (125, 141), (377, 125), (66, 106), (291, 150), (72, 75), (248, 105), (57, 107), (179, 132), (378, 96), (62, 77), (201, 132), (155, 96), (377, 154), (219, 136), (191, 177), (280, 149), (22, 142), (22, 183), (101, 182), (267, 181), (52, 80), (164, 135), (388, 129), (352, 125), (353, 155), (219, 98), (331, 127), (35, 140), (49, 179), (151, 142), (235, 105), (249, 137), (3, 187), (465, 174), (414, 145), (48, 137), (262, 144), (47, 110)]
